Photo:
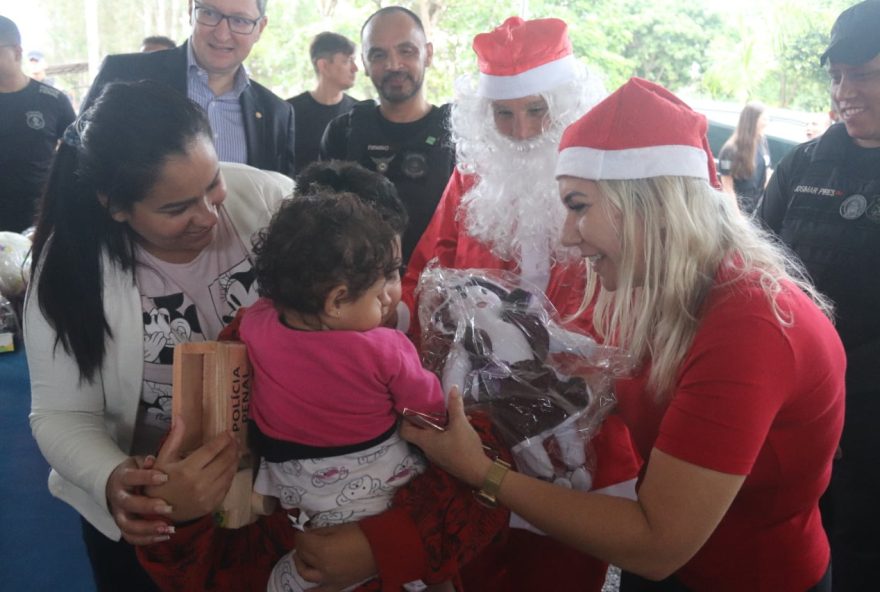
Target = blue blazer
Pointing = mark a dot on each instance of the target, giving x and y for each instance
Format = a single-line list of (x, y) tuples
[(268, 120)]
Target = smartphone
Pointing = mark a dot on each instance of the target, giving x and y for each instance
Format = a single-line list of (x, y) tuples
[(425, 420)]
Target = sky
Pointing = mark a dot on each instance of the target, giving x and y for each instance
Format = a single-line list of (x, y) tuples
[(34, 35), (29, 20)]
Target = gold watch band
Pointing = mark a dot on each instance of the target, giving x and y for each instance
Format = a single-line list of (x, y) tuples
[(488, 493)]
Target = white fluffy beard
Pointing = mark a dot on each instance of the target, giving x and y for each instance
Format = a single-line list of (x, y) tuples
[(515, 205)]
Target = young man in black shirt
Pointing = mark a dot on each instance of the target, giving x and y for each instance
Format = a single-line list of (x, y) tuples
[(333, 58)]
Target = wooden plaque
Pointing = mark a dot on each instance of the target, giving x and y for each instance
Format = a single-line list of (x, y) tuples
[(211, 391)]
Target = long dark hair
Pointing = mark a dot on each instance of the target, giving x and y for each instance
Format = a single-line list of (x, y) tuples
[(110, 159), (745, 140)]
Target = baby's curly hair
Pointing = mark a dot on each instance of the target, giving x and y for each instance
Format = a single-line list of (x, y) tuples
[(318, 241), (372, 187)]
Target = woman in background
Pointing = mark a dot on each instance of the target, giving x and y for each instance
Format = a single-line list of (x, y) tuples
[(744, 161)]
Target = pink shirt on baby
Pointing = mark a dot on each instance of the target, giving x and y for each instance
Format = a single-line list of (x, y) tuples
[(332, 388)]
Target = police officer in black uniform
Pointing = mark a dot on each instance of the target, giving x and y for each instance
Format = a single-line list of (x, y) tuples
[(33, 117), (824, 203), (405, 137)]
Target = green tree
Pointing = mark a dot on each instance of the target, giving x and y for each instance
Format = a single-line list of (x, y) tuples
[(750, 49), (769, 51), (670, 39), (800, 36)]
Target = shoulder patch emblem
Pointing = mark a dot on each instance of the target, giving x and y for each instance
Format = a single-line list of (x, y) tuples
[(49, 90)]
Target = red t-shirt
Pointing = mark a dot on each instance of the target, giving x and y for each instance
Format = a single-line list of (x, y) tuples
[(758, 399)]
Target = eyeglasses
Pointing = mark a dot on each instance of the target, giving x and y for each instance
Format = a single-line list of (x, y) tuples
[(237, 24)]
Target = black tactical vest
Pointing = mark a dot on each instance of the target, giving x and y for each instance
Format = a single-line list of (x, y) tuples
[(833, 224), (418, 164)]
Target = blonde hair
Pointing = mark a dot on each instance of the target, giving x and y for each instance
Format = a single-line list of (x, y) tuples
[(690, 230)]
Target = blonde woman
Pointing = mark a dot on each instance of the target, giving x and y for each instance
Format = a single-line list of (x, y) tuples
[(738, 405)]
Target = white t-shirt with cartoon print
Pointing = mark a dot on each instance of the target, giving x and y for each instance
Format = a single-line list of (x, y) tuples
[(179, 306)]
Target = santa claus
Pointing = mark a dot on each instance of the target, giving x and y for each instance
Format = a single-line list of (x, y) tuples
[(501, 210)]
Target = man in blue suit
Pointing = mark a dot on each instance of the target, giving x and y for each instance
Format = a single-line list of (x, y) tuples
[(251, 124)]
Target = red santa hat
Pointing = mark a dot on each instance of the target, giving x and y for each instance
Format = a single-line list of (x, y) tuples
[(522, 58), (641, 130)]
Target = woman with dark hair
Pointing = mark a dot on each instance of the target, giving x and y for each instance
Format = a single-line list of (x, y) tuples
[(140, 234), (744, 161), (144, 242)]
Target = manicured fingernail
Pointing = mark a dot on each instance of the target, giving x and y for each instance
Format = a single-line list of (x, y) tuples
[(161, 539), (150, 459), (163, 508), (167, 529), (159, 478)]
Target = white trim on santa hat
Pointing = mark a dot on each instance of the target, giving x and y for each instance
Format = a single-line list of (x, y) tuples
[(531, 82), (632, 163)]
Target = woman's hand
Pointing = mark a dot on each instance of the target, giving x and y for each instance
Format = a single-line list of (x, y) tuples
[(458, 450), (335, 557), (198, 482), (128, 506)]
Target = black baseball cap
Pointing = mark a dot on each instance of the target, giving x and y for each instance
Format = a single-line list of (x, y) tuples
[(855, 36)]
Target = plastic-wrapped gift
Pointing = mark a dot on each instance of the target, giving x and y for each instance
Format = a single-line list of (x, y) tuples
[(546, 387), (14, 264), (14, 272), (8, 325)]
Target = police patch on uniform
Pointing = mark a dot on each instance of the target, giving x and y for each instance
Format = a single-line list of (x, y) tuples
[(873, 212), (414, 165), (853, 207), (35, 120)]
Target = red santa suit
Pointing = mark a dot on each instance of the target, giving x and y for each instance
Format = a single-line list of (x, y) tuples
[(447, 240)]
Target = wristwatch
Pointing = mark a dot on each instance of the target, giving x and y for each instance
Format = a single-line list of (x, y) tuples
[(487, 494)]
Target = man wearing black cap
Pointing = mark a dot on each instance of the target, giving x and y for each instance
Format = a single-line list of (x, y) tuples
[(824, 202), (33, 116)]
